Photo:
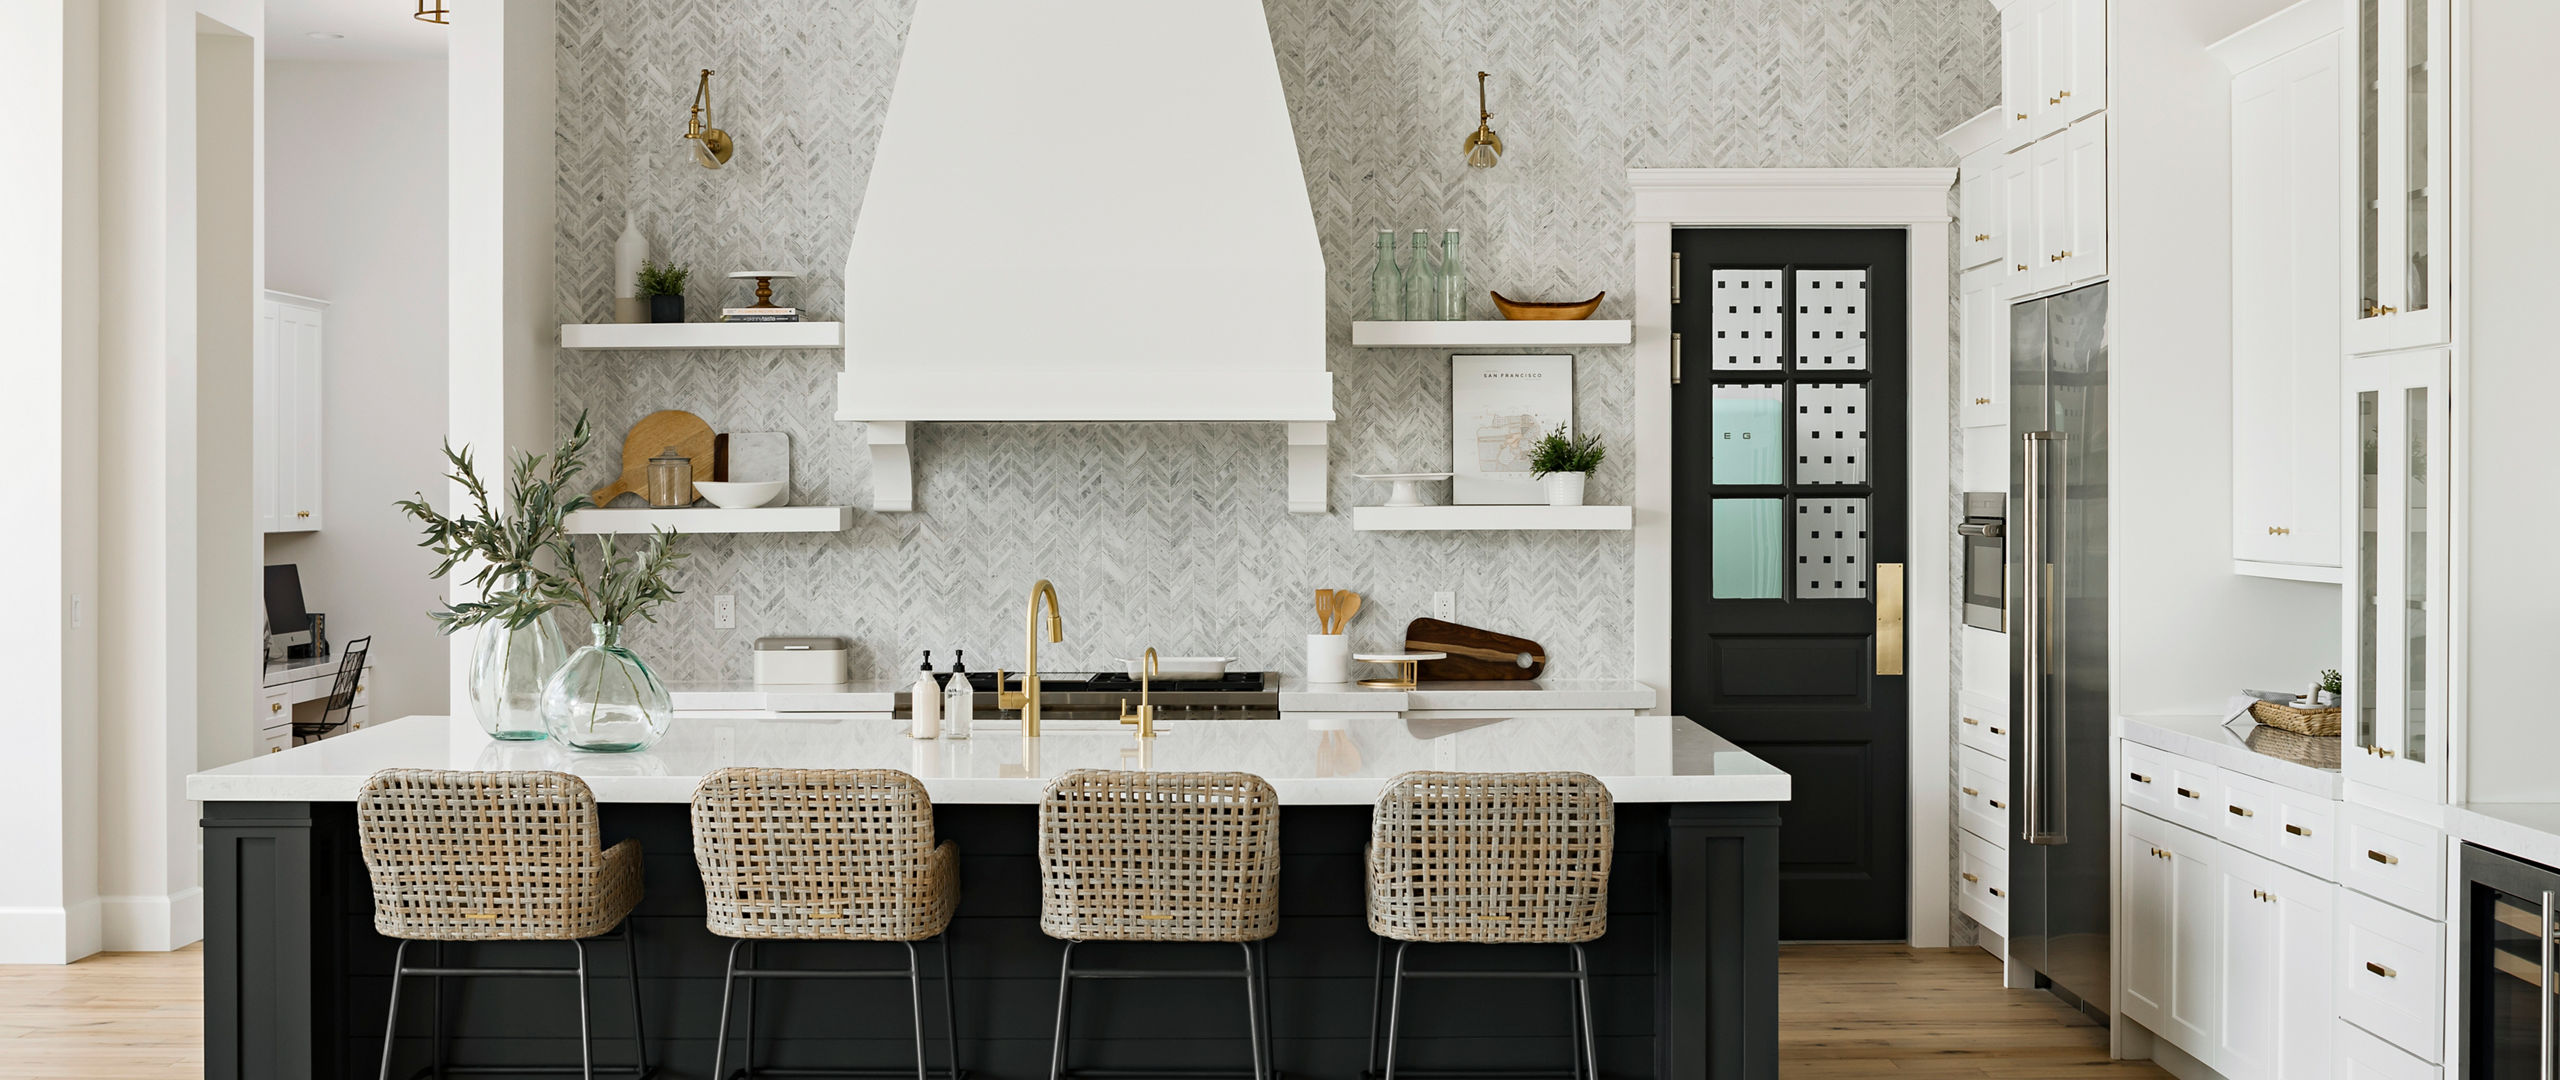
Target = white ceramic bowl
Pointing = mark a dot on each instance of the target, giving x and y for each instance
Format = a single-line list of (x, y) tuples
[(739, 495)]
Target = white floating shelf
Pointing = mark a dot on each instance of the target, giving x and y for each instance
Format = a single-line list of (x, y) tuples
[(703, 335), (712, 519), (1492, 334), (1489, 518)]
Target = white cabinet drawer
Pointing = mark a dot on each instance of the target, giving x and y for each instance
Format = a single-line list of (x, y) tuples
[(2195, 794), (2146, 780), (2360, 1056), (2392, 858), (2390, 974), (1982, 882), (2305, 832), (275, 740), (1982, 792), (1988, 734), (2247, 815)]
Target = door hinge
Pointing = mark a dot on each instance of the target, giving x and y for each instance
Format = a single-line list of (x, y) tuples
[(1675, 358), (1675, 277)]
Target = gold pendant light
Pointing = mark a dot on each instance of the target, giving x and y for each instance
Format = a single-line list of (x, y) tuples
[(1483, 147), (711, 146), (432, 11)]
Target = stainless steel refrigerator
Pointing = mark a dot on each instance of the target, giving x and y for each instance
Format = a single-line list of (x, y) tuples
[(2059, 870)]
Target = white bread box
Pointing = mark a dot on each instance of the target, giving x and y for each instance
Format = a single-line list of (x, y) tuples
[(800, 661)]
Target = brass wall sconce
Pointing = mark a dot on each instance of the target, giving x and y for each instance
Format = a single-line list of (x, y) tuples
[(432, 11), (1484, 148), (711, 146)]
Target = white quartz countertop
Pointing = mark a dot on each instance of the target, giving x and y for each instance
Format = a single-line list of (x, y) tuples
[(2528, 831), (2301, 762), (1309, 761), (1296, 695)]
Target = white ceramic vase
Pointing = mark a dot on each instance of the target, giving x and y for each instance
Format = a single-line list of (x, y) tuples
[(1328, 658), (1565, 488)]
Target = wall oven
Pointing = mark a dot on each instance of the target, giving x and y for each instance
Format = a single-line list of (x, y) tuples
[(2508, 908), (1984, 532)]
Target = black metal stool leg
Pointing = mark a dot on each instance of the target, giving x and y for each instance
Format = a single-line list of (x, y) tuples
[(1058, 1042), (950, 1006), (720, 1042), (586, 1040), (1253, 1013), (1377, 988), (915, 1002), (391, 1019), (1582, 990), (1270, 1035), (1395, 1009), (639, 1034), (747, 1047)]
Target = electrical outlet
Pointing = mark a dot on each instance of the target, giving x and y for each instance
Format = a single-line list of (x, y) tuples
[(1444, 606), (724, 612)]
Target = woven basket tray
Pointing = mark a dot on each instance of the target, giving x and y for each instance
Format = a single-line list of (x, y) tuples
[(2298, 721)]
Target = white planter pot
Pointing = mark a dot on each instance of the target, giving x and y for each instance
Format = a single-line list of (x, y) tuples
[(1565, 488)]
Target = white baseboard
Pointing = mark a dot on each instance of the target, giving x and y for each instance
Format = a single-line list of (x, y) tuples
[(152, 923), (50, 935)]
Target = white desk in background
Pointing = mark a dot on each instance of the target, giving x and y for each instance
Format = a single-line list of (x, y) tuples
[(299, 689)]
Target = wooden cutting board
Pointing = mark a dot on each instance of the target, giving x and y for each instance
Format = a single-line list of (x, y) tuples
[(655, 432), (1473, 653)]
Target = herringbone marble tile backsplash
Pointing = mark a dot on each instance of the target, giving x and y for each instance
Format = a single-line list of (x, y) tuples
[(1177, 535)]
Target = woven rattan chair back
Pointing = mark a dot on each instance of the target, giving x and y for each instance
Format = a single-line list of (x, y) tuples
[(1491, 857), (807, 854), (1155, 856), (491, 856)]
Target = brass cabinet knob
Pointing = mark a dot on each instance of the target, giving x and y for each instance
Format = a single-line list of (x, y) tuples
[(2066, 255), (302, 513), (2022, 268), (2064, 93), (275, 706), (1982, 236), (2022, 116), (2053, 101), (275, 749)]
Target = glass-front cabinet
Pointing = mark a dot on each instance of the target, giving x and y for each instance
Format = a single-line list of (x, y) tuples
[(2397, 277), (2398, 428)]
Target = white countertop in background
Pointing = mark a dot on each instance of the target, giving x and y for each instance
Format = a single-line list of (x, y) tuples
[(1310, 762), (1296, 695), (2299, 762)]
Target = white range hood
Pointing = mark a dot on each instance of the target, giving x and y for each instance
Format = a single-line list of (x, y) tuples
[(1086, 211)]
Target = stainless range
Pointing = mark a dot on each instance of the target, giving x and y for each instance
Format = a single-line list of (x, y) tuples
[(1065, 695)]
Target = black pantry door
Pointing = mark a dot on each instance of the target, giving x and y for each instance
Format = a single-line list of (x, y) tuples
[(1788, 497)]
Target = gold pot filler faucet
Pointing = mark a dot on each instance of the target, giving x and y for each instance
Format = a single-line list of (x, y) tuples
[(1028, 699)]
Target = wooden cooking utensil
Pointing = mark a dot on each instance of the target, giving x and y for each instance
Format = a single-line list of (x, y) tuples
[(655, 432), (1324, 611), (1346, 605), (1473, 653)]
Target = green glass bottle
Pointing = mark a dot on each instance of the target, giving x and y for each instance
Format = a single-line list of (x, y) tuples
[(1422, 281), (1386, 289), (1453, 281)]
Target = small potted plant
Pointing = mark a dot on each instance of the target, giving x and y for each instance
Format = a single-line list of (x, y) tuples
[(1565, 463), (662, 284), (2331, 686)]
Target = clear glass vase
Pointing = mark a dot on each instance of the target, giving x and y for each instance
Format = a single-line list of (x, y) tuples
[(604, 700), (1386, 285), (1422, 282), (509, 669)]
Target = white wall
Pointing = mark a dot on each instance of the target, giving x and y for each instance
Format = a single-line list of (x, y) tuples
[(48, 779), (2513, 380), (2188, 632), (227, 622), (356, 179)]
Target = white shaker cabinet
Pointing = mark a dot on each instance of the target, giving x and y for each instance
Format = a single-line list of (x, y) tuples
[(2398, 439), (2275, 981), (2081, 247), (2286, 250), (2398, 211), (1978, 218), (2171, 882), (2053, 65), (289, 354), (2057, 211), (1985, 373)]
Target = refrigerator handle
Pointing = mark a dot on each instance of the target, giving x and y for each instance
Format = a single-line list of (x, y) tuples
[(2036, 609), (2546, 984)]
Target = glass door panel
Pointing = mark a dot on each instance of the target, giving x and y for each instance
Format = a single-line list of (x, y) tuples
[(2368, 595), (2415, 555), (2368, 202)]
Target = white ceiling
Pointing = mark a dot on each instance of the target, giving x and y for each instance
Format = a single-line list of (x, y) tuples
[(374, 29)]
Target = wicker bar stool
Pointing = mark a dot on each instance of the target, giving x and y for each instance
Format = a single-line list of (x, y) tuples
[(496, 856), (1162, 857), (824, 855), (1490, 859)]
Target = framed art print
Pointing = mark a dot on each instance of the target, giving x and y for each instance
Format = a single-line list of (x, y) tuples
[(1499, 407)]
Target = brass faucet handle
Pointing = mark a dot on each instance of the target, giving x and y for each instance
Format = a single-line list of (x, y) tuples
[(1010, 699)]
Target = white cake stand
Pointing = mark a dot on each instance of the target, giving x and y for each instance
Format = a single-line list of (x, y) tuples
[(1406, 491)]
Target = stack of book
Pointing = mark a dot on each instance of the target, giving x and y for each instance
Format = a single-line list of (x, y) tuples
[(760, 314)]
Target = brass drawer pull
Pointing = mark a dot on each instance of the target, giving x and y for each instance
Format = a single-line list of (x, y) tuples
[(2139, 777), (2386, 860), (2242, 811), (1997, 804), (2297, 830), (1981, 236), (1995, 891), (1999, 731), (2380, 970), (1969, 877), (2186, 794), (1969, 791), (1970, 720)]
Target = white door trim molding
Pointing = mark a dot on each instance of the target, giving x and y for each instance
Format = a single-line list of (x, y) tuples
[(1914, 200)]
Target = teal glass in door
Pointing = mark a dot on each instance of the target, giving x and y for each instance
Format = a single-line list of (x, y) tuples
[(1788, 492)]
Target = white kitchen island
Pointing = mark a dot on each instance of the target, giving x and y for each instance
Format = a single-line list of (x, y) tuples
[(1687, 975)]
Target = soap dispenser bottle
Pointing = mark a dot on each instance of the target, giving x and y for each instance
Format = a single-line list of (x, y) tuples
[(925, 703), (959, 699)]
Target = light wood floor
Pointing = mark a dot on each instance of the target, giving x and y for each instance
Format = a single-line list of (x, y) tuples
[(1845, 1011)]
